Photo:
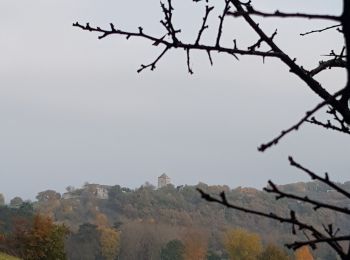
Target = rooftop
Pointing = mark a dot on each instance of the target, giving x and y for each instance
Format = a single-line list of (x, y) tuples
[(163, 176)]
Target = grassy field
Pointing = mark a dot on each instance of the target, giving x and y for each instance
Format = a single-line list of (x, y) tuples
[(7, 257)]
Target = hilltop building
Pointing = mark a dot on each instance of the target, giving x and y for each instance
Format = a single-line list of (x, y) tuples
[(163, 180), (97, 190), (92, 190)]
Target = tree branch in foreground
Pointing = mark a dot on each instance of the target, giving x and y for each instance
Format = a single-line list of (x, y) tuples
[(328, 237), (323, 65), (290, 220), (322, 30), (295, 127), (317, 204), (245, 10), (278, 14), (314, 176), (312, 243)]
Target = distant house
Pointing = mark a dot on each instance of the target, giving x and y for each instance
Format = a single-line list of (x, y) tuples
[(99, 191), (95, 190), (68, 195), (163, 180)]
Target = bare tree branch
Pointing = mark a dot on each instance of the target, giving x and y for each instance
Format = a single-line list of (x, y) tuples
[(153, 64), (328, 125), (345, 19), (314, 176), (169, 44), (295, 127), (278, 14), (294, 68), (323, 65), (297, 244), (188, 61), (222, 17), (317, 204), (293, 220), (204, 26), (321, 30), (244, 10)]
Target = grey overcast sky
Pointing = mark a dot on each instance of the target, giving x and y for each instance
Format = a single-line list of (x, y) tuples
[(73, 108)]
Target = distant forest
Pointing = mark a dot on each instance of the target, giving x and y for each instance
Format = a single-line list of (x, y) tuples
[(114, 222)]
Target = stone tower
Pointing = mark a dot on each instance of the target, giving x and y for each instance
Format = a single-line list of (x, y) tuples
[(163, 180)]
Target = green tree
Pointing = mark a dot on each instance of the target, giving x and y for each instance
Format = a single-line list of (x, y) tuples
[(242, 244), (16, 202), (213, 256), (110, 242), (48, 202), (85, 244), (48, 196), (2, 200), (173, 250)]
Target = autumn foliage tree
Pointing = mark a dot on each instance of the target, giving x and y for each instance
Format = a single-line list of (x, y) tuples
[(242, 244), (273, 252), (110, 243), (196, 244), (303, 253), (265, 46), (37, 239)]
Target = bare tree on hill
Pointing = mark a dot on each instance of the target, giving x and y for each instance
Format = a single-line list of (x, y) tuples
[(337, 103)]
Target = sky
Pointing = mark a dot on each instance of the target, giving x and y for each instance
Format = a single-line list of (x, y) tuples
[(73, 109)]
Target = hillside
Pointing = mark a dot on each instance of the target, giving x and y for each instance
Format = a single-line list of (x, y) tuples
[(170, 211), (144, 220)]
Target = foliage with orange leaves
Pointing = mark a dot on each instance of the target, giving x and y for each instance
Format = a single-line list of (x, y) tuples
[(196, 245), (38, 239), (303, 253)]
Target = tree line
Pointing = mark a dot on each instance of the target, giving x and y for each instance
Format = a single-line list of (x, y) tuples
[(149, 223)]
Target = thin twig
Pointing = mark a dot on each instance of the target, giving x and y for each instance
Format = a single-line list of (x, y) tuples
[(278, 14), (153, 64), (204, 26), (222, 17), (323, 65), (317, 204), (328, 125), (293, 220), (314, 176), (321, 30), (295, 127)]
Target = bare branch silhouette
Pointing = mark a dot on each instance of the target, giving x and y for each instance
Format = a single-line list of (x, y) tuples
[(314, 176), (278, 14), (323, 65), (244, 10), (322, 30), (295, 127), (317, 204), (328, 237)]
